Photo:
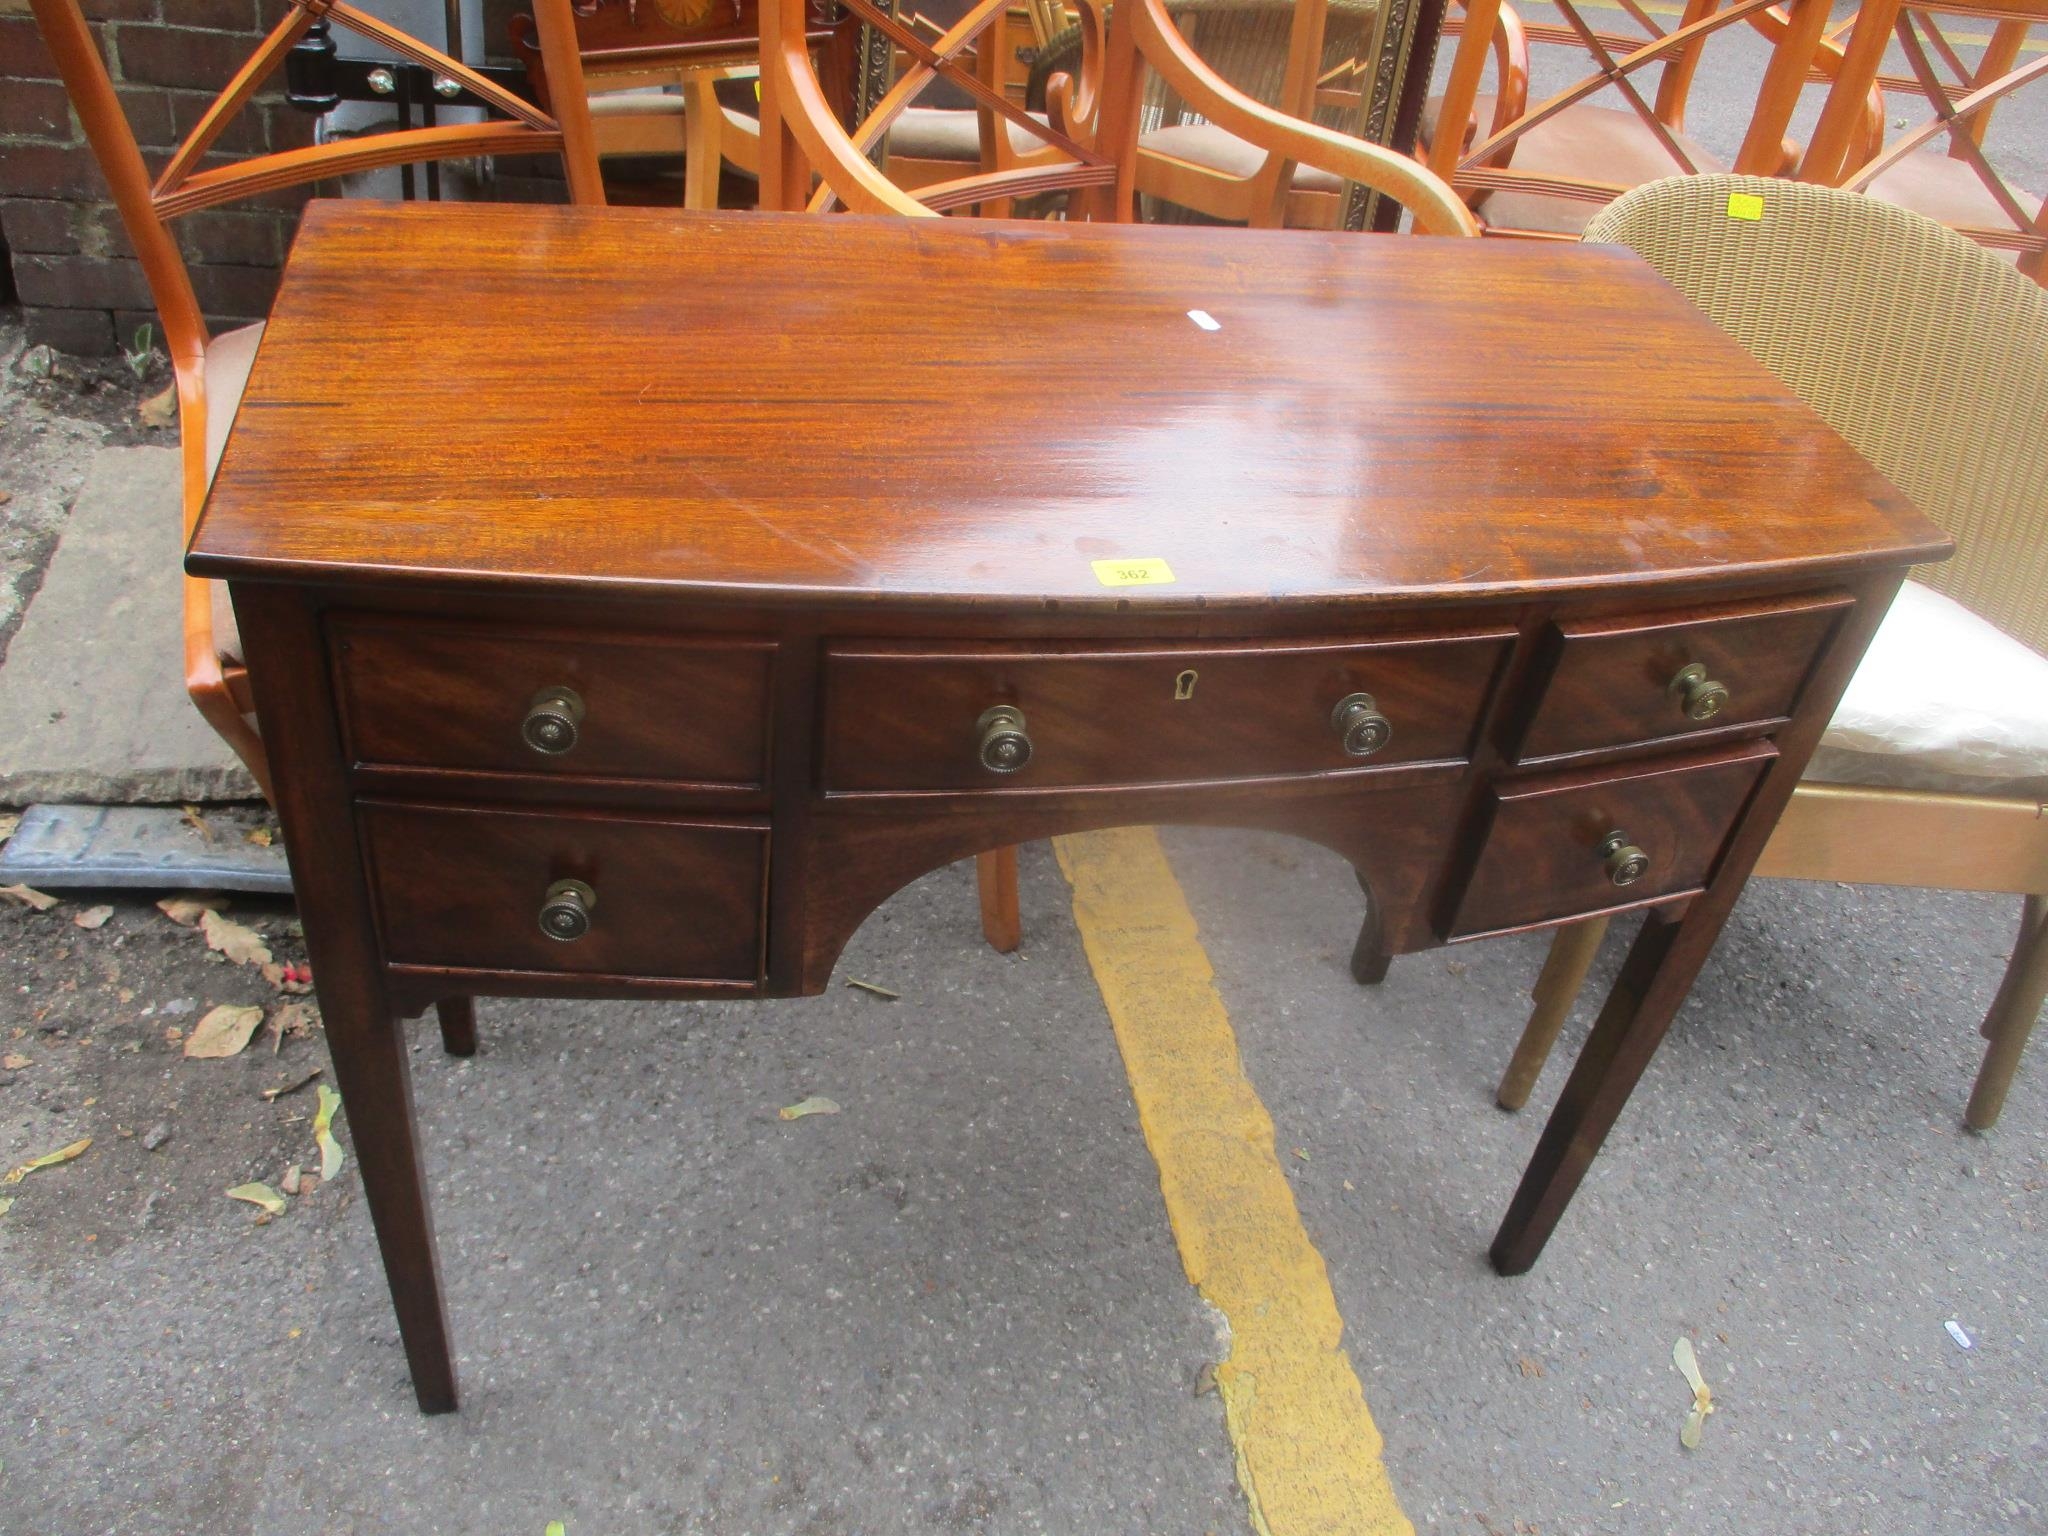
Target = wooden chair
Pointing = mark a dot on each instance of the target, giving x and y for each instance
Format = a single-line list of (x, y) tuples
[(1543, 171), (1960, 188), (210, 371), (1931, 357), (803, 144)]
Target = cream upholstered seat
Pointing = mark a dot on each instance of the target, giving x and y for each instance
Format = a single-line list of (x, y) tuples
[(951, 133), (1943, 701), (1930, 355)]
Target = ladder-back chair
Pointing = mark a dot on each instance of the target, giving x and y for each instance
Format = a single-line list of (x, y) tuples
[(1931, 357), (1956, 184), (210, 370), (1543, 171)]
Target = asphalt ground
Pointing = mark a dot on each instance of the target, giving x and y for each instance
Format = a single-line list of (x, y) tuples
[(957, 1304)]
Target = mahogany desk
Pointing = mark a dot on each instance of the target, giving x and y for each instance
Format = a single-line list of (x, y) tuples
[(634, 599)]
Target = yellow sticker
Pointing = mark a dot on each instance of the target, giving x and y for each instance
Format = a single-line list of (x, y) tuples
[(1745, 205), (1152, 572)]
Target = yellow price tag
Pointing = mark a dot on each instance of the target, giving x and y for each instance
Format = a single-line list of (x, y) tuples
[(1152, 572), (1746, 206)]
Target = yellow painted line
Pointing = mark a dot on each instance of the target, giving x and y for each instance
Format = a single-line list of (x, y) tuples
[(1308, 1452)]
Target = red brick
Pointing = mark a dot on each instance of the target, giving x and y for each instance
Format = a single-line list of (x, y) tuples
[(22, 53), (36, 109), (179, 56), (46, 227), (243, 135), (148, 110), (229, 238), (217, 15), (81, 282), (121, 10), (289, 127), (86, 332), (51, 170)]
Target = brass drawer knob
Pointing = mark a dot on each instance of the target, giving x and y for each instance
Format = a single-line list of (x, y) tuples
[(1005, 747), (565, 914), (1698, 694), (1360, 725), (1626, 863), (551, 721)]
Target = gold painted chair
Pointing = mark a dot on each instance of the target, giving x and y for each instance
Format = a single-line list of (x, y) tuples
[(1931, 357)]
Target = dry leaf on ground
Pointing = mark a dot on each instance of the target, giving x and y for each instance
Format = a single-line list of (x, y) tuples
[(6, 1205), (274, 1094), (26, 896), (186, 911), (223, 1032), (11, 822), (816, 1104), (93, 917), (47, 1160), (242, 945), (1530, 1366), (260, 836), (294, 1019), (1688, 1365), (160, 409), (13, 1062), (259, 1194), (192, 818), (323, 1133)]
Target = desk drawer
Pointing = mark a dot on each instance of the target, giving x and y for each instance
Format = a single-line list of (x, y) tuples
[(1614, 682), (908, 717), (666, 898), (421, 694), (1547, 850)]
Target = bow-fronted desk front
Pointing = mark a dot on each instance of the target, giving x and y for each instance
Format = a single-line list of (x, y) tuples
[(635, 599)]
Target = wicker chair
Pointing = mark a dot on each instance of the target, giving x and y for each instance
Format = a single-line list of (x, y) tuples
[(1931, 357)]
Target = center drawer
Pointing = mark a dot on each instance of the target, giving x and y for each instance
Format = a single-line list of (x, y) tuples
[(621, 896), (920, 717)]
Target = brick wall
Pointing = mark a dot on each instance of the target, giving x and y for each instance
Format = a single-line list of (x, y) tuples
[(73, 271)]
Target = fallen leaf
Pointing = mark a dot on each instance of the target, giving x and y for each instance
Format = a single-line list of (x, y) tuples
[(242, 945), (11, 821), (1205, 1379), (190, 815), (6, 1205), (13, 1061), (294, 1019), (186, 911), (816, 1104), (323, 1133), (1688, 1365), (260, 836), (556, 1528), (93, 917), (260, 1194), (223, 1032), (42, 901), (873, 989), (160, 409), (1529, 1366), (47, 1160), (1302, 1153), (274, 1094)]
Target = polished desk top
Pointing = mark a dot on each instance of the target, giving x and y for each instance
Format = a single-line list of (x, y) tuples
[(791, 407)]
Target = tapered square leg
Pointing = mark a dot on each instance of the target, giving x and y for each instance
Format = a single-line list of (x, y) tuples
[(457, 1016)]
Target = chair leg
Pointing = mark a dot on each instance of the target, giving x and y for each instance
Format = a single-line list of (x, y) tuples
[(2012, 1016), (458, 1025), (1557, 988), (1002, 920)]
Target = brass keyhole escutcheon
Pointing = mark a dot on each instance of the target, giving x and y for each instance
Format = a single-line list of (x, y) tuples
[(1626, 863), (1698, 694), (1184, 685)]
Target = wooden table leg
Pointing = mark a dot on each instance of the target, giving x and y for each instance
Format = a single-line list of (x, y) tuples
[(1654, 980), (457, 1016), (370, 1063)]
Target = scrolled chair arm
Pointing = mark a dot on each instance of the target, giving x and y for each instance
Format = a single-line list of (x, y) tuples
[(1437, 209)]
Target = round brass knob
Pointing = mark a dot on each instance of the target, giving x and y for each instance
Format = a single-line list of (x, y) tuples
[(551, 722), (1005, 747), (1360, 725), (1626, 863), (1698, 694), (565, 914)]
